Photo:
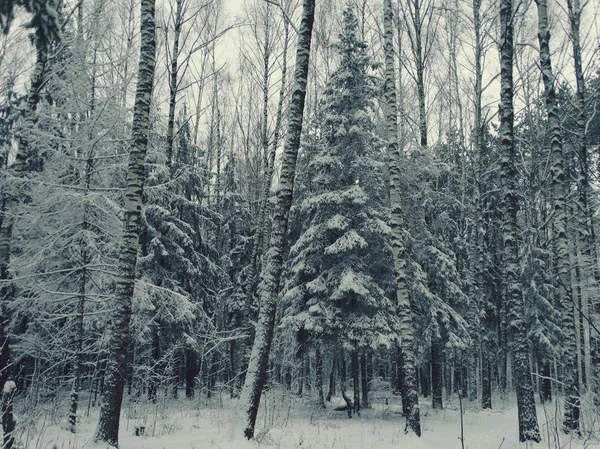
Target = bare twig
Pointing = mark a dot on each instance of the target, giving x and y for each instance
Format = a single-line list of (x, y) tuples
[(285, 16)]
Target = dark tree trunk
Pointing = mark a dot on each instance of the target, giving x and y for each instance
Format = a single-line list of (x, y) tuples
[(546, 390), (319, 375), (486, 379), (8, 420), (331, 381), (191, 371), (425, 380), (437, 381), (364, 381), (354, 368)]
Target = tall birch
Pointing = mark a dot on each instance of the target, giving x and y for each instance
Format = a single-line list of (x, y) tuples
[(410, 397), (515, 307), (559, 219), (116, 369), (271, 271)]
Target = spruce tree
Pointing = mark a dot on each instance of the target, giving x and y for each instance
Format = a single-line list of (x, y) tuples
[(340, 271)]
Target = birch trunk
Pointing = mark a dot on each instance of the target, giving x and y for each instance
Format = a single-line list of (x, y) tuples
[(559, 218), (407, 371), (262, 232), (173, 83), (515, 308), (273, 263), (108, 423), (486, 378), (585, 226)]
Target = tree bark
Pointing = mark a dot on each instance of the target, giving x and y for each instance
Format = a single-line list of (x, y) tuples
[(354, 370), (173, 83), (319, 375), (8, 420), (364, 381), (515, 308), (437, 381), (331, 381), (116, 370), (559, 217), (271, 272), (410, 397)]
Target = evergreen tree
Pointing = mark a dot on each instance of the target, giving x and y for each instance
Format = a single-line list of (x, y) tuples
[(339, 275)]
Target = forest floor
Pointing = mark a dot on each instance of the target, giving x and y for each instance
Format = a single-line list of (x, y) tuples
[(288, 422)]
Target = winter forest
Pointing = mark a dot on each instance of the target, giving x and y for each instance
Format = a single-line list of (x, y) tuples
[(300, 224)]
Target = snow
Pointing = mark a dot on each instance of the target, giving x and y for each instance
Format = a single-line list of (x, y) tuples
[(286, 421), (9, 386)]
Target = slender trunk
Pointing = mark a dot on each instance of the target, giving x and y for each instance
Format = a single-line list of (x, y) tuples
[(331, 381), (191, 370), (515, 308), (354, 369), (8, 420), (585, 225), (486, 380), (271, 271), (319, 375), (410, 397), (437, 382), (173, 83), (559, 216), (546, 389), (262, 232), (364, 381), (108, 423)]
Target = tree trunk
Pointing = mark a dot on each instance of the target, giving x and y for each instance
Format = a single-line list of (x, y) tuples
[(437, 381), (410, 397), (354, 370), (546, 390), (191, 370), (8, 420), (271, 272), (486, 379), (173, 83), (319, 375), (515, 308), (108, 424), (364, 381), (559, 215), (331, 381)]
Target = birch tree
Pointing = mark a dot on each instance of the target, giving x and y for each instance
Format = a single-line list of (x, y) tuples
[(515, 314), (559, 216), (410, 398), (110, 414), (271, 271)]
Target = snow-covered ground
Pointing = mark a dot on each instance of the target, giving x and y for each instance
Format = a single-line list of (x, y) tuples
[(287, 422)]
